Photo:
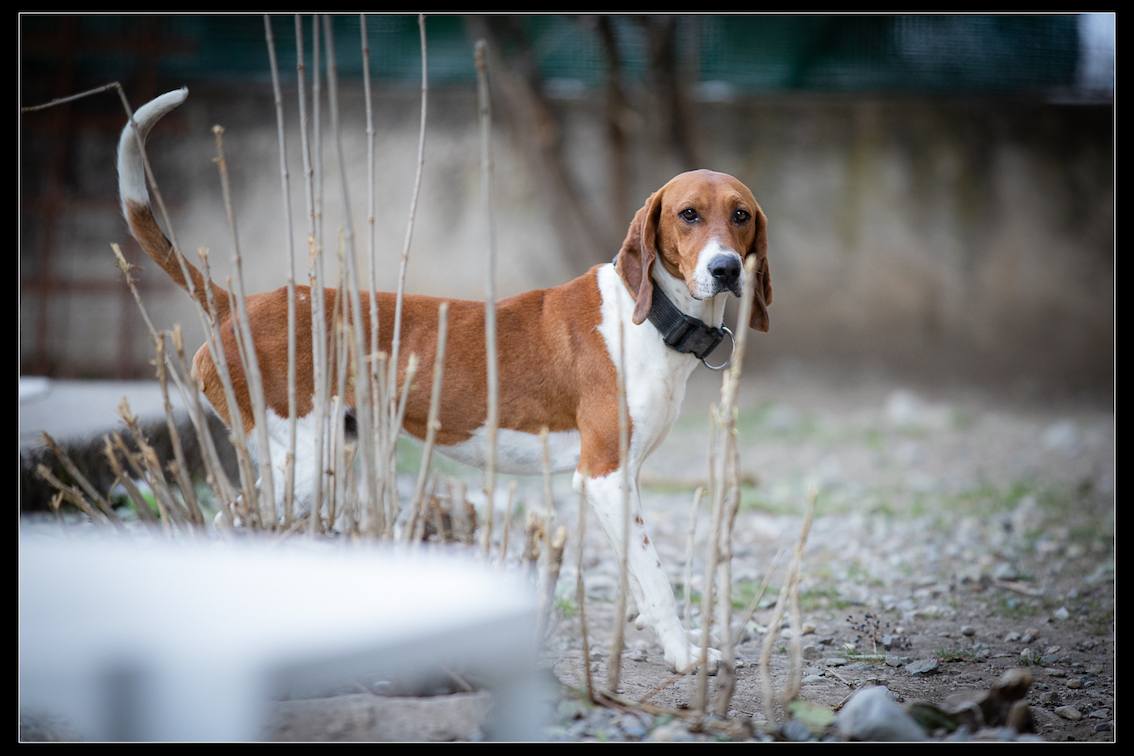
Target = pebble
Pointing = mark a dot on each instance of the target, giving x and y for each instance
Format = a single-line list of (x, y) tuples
[(1069, 712), (872, 714), (922, 667), (796, 731)]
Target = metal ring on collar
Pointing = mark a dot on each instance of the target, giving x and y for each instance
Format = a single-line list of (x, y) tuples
[(731, 348)]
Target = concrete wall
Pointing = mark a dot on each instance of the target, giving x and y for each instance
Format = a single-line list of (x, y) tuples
[(955, 240)]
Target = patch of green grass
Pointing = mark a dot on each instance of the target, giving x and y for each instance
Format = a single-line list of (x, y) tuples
[(743, 591), (679, 593), (955, 655), (566, 606), (822, 598), (762, 420), (1011, 607)]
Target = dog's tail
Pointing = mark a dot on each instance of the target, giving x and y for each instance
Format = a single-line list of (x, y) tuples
[(136, 201)]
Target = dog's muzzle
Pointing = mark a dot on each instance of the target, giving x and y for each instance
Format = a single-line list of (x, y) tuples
[(725, 271)]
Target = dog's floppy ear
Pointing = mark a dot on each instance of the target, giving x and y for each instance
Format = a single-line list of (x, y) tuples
[(637, 256), (763, 294)]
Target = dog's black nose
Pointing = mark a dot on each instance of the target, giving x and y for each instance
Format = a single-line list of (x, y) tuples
[(725, 269)]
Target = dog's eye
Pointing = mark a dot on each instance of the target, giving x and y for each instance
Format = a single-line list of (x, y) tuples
[(741, 216), (689, 214)]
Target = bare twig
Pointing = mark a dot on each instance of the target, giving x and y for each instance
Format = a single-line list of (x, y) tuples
[(795, 675), (507, 523), (726, 502), (755, 602), (434, 424), (493, 411), (289, 471), (179, 467), (72, 98), (249, 357), (80, 479), (581, 591), (73, 495), (364, 415), (319, 357), (170, 510), (140, 504), (614, 668), (393, 413), (687, 620), (790, 584)]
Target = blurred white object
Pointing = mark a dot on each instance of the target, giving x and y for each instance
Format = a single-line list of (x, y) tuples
[(135, 640)]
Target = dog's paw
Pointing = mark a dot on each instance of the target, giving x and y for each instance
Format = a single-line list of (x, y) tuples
[(684, 658)]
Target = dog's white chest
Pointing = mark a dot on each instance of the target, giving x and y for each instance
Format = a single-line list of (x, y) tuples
[(655, 374)]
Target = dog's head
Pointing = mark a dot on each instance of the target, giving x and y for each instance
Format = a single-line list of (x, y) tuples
[(700, 227)]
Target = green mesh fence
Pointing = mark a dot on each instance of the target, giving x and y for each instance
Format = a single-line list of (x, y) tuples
[(750, 53)]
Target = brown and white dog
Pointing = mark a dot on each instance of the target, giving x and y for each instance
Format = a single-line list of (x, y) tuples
[(558, 353)]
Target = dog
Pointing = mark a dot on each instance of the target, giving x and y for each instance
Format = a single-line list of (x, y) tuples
[(559, 353)]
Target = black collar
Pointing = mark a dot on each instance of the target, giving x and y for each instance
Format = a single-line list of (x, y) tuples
[(684, 333)]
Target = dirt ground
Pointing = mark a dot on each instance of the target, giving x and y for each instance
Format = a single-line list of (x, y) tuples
[(958, 534), (973, 532)]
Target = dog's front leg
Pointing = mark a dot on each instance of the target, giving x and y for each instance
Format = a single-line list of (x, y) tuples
[(647, 579)]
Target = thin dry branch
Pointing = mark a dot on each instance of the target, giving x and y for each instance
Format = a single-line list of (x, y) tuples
[(71, 494), (434, 424), (364, 415), (289, 470), (614, 668), (179, 467), (581, 591), (791, 584), (492, 420), (100, 501)]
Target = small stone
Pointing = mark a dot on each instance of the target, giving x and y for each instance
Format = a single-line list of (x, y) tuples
[(1020, 717), (968, 630), (796, 731), (1074, 683), (922, 667), (1055, 672), (1012, 685), (1100, 714), (1030, 635), (1069, 712), (1049, 698), (1012, 637), (871, 714), (1061, 613)]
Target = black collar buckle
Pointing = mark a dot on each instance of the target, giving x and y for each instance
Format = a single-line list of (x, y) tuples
[(684, 333)]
